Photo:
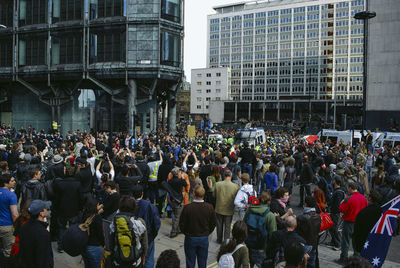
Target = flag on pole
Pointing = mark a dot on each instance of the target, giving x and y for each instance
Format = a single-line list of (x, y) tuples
[(378, 241)]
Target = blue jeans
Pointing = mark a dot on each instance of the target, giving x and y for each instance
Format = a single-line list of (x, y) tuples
[(312, 259), (369, 169), (149, 262), (92, 256), (196, 246), (247, 168)]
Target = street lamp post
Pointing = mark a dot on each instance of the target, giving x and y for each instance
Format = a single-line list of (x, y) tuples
[(365, 16)]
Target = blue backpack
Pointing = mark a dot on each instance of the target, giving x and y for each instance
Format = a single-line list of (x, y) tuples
[(257, 234)]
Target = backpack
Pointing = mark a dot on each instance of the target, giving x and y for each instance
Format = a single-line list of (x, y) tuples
[(257, 234), (76, 237), (123, 241), (226, 260), (251, 198)]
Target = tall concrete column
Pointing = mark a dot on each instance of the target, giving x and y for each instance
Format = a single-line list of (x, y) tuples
[(326, 112), (249, 116), (263, 107), (155, 120), (172, 113), (236, 111), (151, 111), (132, 96), (278, 114), (294, 111)]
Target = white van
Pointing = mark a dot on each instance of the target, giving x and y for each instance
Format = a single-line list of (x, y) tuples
[(346, 136), (254, 136), (215, 137), (390, 139)]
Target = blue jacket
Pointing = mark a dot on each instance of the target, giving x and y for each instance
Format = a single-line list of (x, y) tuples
[(149, 213), (271, 181)]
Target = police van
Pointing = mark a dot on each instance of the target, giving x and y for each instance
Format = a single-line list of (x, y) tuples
[(389, 139), (345, 136), (254, 136), (215, 137)]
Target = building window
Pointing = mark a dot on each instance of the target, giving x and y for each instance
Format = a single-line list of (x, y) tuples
[(171, 10), (6, 13), (198, 106), (199, 83), (170, 48), (6, 51), (208, 99), (208, 75), (198, 99), (64, 10), (208, 83), (218, 74), (107, 46), (206, 106), (198, 91), (106, 8), (208, 91), (66, 49), (218, 90), (198, 75), (32, 50), (32, 12), (218, 83)]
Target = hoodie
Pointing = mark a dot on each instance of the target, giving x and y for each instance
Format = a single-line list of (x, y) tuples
[(242, 196), (33, 189)]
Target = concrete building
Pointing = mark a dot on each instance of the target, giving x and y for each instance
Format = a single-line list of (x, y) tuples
[(183, 103), (208, 84), (290, 59), (383, 79), (127, 52)]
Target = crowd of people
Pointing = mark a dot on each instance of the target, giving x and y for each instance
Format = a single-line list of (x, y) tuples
[(102, 197)]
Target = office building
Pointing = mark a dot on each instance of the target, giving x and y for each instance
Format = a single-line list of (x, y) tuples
[(208, 84), (128, 54), (290, 59), (383, 79)]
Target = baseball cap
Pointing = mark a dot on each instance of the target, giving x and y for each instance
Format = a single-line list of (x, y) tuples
[(37, 206)]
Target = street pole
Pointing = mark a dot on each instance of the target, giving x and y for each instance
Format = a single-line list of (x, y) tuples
[(365, 16)]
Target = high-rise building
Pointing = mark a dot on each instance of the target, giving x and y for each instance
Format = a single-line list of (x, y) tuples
[(290, 58), (127, 53)]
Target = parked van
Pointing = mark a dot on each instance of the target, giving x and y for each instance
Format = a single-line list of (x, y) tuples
[(254, 136), (346, 136), (215, 137), (389, 139)]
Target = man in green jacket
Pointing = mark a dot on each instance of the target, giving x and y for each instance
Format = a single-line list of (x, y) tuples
[(257, 255)]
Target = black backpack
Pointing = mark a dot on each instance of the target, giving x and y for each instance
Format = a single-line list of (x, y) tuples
[(123, 241), (75, 238)]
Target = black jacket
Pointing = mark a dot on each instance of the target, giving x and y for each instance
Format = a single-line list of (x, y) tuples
[(126, 184), (33, 189), (308, 225), (86, 178), (365, 220), (144, 168), (247, 156), (337, 197), (282, 238), (68, 196), (35, 245), (307, 174)]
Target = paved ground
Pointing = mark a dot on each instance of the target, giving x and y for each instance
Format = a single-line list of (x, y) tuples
[(163, 242)]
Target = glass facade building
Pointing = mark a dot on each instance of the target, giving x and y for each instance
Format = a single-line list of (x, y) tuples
[(289, 50)]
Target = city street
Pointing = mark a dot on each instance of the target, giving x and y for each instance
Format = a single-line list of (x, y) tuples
[(163, 242)]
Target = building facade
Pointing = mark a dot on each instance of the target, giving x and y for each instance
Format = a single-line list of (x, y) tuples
[(127, 52), (290, 59), (383, 80), (208, 84), (183, 103)]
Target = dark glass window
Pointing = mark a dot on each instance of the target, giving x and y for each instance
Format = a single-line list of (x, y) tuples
[(32, 50), (6, 13), (170, 49), (107, 46), (65, 10), (66, 49), (171, 10), (106, 8), (32, 12), (6, 51)]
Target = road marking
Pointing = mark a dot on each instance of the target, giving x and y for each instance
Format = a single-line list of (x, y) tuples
[(212, 265)]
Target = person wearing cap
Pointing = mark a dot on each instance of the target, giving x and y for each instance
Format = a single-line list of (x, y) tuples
[(177, 183), (149, 213), (8, 211), (35, 241)]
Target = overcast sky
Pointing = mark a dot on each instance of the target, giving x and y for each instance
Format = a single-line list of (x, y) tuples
[(195, 46)]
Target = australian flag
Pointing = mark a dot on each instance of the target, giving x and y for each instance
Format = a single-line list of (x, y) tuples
[(378, 241)]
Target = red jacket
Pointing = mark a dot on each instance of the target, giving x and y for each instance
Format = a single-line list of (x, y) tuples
[(351, 205)]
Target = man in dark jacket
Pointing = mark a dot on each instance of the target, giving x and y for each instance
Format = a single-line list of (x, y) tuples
[(366, 219), (126, 182), (248, 158), (34, 188), (68, 202), (176, 183), (149, 213), (337, 197), (144, 168), (306, 178), (35, 242), (308, 225), (85, 177)]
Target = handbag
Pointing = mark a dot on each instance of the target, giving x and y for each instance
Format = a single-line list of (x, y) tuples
[(326, 220)]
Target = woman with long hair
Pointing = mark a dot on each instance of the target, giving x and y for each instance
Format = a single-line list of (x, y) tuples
[(94, 251), (236, 246), (319, 197), (214, 178)]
